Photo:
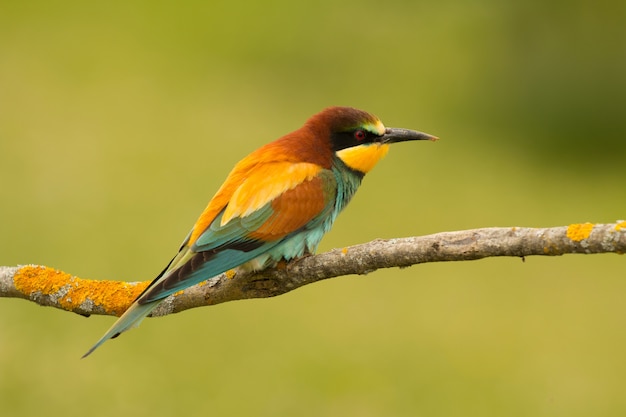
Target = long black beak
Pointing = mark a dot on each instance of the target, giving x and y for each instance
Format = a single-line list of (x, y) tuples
[(393, 135)]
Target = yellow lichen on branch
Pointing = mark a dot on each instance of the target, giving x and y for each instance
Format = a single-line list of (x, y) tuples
[(50, 287), (113, 297), (578, 232)]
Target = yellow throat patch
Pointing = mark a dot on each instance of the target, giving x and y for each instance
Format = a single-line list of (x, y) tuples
[(363, 157)]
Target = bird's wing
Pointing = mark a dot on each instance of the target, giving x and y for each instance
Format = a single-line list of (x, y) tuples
[(266, 208), (249, 187), (263, 210)]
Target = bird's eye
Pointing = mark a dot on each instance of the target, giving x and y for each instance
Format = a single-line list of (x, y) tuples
[(360, 135)]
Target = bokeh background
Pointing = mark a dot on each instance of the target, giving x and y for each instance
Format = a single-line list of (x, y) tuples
[(119, 120)]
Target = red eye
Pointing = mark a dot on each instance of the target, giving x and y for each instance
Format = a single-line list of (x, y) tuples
[(359, 135)]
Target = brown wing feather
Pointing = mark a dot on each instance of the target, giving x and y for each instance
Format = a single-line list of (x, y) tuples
[(293, 209)]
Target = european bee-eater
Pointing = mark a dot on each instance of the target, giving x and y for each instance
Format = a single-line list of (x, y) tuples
[(276, 204)]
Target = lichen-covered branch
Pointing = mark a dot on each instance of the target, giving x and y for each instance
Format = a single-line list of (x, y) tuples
[(49, 287)]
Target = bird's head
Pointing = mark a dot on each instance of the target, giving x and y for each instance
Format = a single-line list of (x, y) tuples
[(359, 139)]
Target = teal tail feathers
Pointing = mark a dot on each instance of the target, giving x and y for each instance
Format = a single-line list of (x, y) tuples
[(131, 318)]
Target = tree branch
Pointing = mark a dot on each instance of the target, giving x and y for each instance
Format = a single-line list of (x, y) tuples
[(49, 287)]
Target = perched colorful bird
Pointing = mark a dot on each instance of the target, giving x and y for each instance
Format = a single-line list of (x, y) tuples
[(276, 204)]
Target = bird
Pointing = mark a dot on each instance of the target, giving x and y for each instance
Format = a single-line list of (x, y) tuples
[(275, 205)]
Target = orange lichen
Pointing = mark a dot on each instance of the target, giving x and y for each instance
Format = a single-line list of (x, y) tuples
[(344, 251), (621, 225), (230, 274), (578, 232), (112, 296), (550, 249)]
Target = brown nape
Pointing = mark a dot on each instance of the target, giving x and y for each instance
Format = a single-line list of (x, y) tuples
[(337, 119), (312, 142)]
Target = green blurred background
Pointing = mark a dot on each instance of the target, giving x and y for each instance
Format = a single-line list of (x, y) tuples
[(119, 120)]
